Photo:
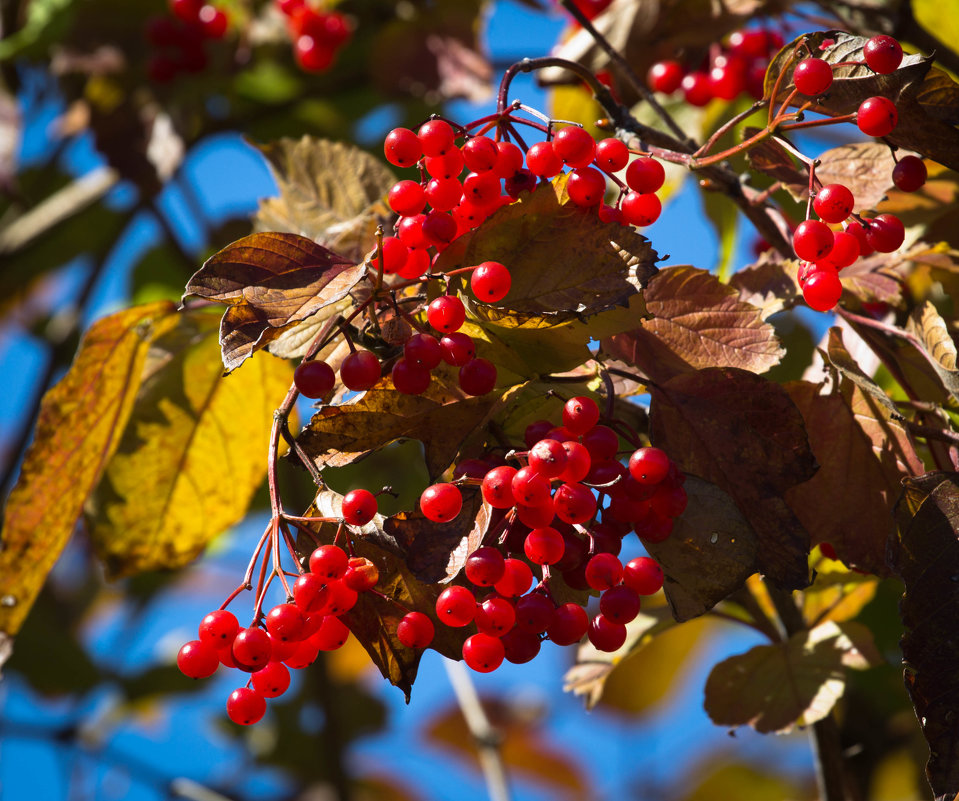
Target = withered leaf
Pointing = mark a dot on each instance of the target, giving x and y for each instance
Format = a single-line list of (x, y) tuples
[(562, 258), (701, 322), (270, 281), (864, 167), (775, 687), (710, 553), (925, 555), (770, 157), (863, 455), (744, 434), (879, 277), (842, 360), (79, 427), (927, 325), (925, 113), (767, 284)]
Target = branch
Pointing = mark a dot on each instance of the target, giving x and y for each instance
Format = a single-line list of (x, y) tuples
[(485, 736)]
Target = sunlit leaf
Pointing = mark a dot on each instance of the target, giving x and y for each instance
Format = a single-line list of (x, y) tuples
[(837, 594), (742, 433), (270, 281), (930, 329), (864, 167), (775, 687), (192, 455), (79, 428), (767, 285)]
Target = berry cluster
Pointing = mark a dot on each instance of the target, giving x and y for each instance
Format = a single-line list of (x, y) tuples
[(317, 36), (728, 72), (180, 39), (548, 523)]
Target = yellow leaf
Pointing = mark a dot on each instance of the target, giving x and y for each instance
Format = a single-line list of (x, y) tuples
[(79, 427), (193, 454)]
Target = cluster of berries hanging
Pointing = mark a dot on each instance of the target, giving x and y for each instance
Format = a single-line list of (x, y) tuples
[(180, 39), (728, 72), (317, 35)]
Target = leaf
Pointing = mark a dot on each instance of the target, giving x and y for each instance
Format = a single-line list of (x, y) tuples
[(742, 433), (79, 427), (270, 281), (925, 97), (709, 554), (192, 455), (879, 278), (340, 435), (864, 167), (770, 157), (546, 241), (930, 329), (767, 285), (701, 322), (863, 454), (330, 192), (775, 687), (842, 360), (925, 555), (837, 595)]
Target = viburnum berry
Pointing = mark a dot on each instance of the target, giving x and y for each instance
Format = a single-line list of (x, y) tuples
[(443, 193), (812, 76), (394, 255), (548, 457), (520, 646), (477, 376), (530, 488), (605, 634), (601, 442), (885, 232), (580, 414), (877, 116), (574, 503), (516, 580), (441, 502), (285, 622), (329, 561), (645, 175), (479, 153), (272, 681), (611, 154), (845, 250), (456, 606), (833, 203), (245, 706), (410, 378), (620, 604), (665, 76), (360, 370), (519, 182), (575, 146), (361, 575), (696, 88), (332, 635), (822, 289), (490, 282), (536, 516), (314, 379), (197, 659), (610, 214), (909, 174), (251, 649), (568, 625), (534, 612), (727, 76), (445, 167), (586, 185), (639, 209), (883, 54), (186, 10), (483, 652), (446, 313), (508, 161), (544, 546), (457, 348), (495, 616), (812, 240), (402, 147), (858, 230), (603, 571), (213, 22), (644, 575), (359, 507), (497, 487), (648, 465), (436, 137), (485, 566), (541, 159), (219, 628), (482, 188), (415, 630), (578, 462), (423, 350)]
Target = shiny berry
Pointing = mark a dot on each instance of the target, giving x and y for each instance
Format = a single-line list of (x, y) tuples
[(645, 175), (360, 370), (877, 116), (446, 313), (441, 502), (812, 240), (415, 630), (909, 174), (359, 507), (456, 606), (477, 376), (833, 203), (822, 289), (402, 147), (665, 76), (575, 146), (644, 575), (197, 659), (883, 54), (483, 652), (314, 379), (490, 282), (812, 76), (245, 706)]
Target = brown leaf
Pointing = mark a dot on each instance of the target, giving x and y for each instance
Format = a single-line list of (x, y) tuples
[(270, 281), (79, 427), (771, 158), (863, 454), (842, 360), (702, 322), (742, 433), (926, 324), (878, 278), (710, 553), (546, 241), (925, 555), (864, 167), (767, 284), (775, 687), (922, 125), (330, 192)]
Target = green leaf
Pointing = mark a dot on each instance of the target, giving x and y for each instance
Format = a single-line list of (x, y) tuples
[(193, 453), (79, 428), (270, 282), (775, 687)]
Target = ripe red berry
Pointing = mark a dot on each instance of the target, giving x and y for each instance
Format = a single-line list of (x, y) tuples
[(574, 503), (272, 681), (441, 502), (586, 185), (285, 622), (482, 188), (312, 54), (490, 282), (332, 635), (601, 442), (603, 571), (648, 465), (251, 649), (521, 646), (359, 507), (640, 210), (483, 652), (858, 230), (845, 250), (620, 604), (314, 379), (480, 153), (485, 566), (402, 147), (197, 659), (436, 137), (497, 487), (495, 616), (909, 174), (645, 175), (219, 628), (213, 22), (580, 414), (544, 546), (477, 376), (360, 370), (186, 10), (516, 580), (883, 54), (644, 575), (812, 240), (575, 146), (548, 457), (458, 348), (446, 313), (877, 116), (361, 575), (885, 232), (833, 203), (696, 88), (423, 350), (578, 462), (329, 562), (407, 198), (665, 76), (409, 378), (508, 161), (611, 155), (456, 606), (245, 706), (534, 612), (605, 634), (415, 630), (568, 625), (541, 159), (530, 488), (822, 289), (812, 76), (447, 166)]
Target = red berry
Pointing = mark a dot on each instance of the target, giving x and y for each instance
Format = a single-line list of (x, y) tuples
[(314, 379), (443, 193), (640, 210), (360, 370), (482, 188), (696, 88), (858, 230), (313, 55), (447, 166), (495, 616), (213, 22), (251, 649), (483, 652), (332, 635), (458, 348), (485, 566), (883, 54), (649, 465), (521, 646), (534, 612), (586, 185), (480, 153), (606, 635), (575, 146), (530, 488), (611, 155), (645, 175), (285, 622), (271, 681), (362, 574), (544, 546), (727, 77), (845, 249), (186, 10), (517, 579), (601, 442), (415, 630), (497, 487), (197, 659), (644, 575), (219, 628), (329, 562), (580, 414), (407, 198), (541, 159), (441, 502), (508, 161), (446, 313), (548, 457), (409, 378), (395, 254), (436, 137), (885, 232), (822, 289), (603, 571), (877, 116), (439, 228), (423, 350), (568, 625), (456, 606), (402, 147), (359, 507), (490, 282), (755, 43), (477, 376), (245, 706), (574, 503), (833, 203), (812, 76), (578, 462), (909, 174), (519, 182), (812, 240), (665, 76), (620, 604)]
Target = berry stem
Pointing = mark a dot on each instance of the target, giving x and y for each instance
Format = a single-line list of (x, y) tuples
[(726, 126)]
